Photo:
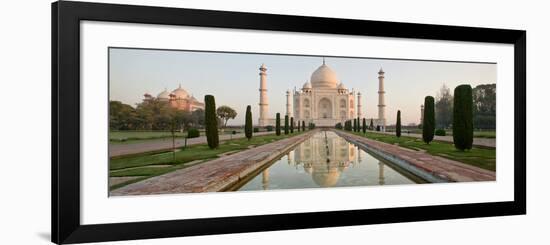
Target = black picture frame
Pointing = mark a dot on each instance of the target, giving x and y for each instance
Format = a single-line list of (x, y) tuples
[(65, 171)]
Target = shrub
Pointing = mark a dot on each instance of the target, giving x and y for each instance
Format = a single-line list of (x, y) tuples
[(338, 126), (398, 124), (278, 124), (269, 128), (428, 125), (211, 122), (256, 130), (440, 132), (291, 125), (463, 126), (346, 125), (233, 132), (286, 125), (193, 133), (248, 123)]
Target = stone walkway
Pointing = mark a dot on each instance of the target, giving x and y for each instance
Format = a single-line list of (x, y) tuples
[(486, 142), (214, 175), (438, 167), (122, 149)]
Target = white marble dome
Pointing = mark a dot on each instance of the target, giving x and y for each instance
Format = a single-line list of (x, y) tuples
[(324, 77), (180, 93), (164, 95)]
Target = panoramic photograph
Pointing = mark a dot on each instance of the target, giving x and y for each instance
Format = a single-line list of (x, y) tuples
[(183, 121)]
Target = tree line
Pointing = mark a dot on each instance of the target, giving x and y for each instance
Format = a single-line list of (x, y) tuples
[(484, 107), (159, 115)]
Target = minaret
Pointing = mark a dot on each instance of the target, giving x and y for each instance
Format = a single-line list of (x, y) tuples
[(381, 102), (421, 114), (264, 107), (359, 112), (288, 108)]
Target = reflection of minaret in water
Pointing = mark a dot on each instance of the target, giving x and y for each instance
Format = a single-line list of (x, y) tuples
[(381, 180), (358, 155), (265, 179)]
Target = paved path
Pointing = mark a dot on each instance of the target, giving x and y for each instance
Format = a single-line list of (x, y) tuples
[(214, 175), (441, 168), (165, 144), (487, 142)]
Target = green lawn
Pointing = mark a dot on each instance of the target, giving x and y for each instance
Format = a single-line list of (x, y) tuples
[(144, 164), (141, 135), (480, 157), (125, 137)]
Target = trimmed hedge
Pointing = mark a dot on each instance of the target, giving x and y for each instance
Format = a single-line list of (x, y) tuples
[(440, 132), (428, 125), (211, 122), (398, 124), (463, 126), (248, 123), (278, 124), (193, 133), (286, 125)]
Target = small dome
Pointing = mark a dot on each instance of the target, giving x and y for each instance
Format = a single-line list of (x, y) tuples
[(164, 95), (307, 85), (324, 77), (341, 86), (180, 93)]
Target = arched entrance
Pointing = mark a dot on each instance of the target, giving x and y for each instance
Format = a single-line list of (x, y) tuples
[(325, 109)]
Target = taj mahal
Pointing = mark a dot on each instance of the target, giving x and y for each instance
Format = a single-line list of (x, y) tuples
[(324, 100)]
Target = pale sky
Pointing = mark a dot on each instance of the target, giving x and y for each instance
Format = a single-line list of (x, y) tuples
[(234, 81)]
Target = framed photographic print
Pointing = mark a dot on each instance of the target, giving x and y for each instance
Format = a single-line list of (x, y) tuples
[(176, 122)]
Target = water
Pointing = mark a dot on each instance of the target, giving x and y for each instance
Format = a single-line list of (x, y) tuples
[(327, 160)]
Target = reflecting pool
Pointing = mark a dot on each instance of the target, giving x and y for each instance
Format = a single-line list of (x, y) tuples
[(326, 160)]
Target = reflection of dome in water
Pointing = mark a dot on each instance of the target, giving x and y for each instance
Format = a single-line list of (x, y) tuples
[(326, 178)]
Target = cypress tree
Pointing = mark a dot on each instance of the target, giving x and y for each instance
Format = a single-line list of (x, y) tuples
[(298, 125), (286, 124), (248, 123), (463, 126), (211, 122), (364, 125), (354, 125), (278, 124), (358, 124), (371, 124), (303, 126), (291, 125), (428, 125), (398, 124)]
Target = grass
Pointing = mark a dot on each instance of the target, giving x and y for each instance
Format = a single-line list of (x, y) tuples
[(480, 157), (144, 164), (127, 137), (141, 135)]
